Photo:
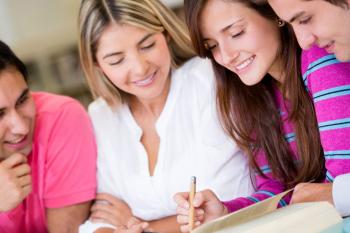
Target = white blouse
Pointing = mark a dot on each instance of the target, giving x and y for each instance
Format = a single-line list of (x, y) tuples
[(192, 143)]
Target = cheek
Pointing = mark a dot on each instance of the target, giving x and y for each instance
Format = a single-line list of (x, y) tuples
[(116, 76), (163, 57), (217, 57), (2, 131), (29, 112)]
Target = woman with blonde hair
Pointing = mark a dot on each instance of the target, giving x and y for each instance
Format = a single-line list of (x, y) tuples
[(154, 115)]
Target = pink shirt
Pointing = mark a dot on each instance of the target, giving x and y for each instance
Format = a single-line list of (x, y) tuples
[(63, 163)]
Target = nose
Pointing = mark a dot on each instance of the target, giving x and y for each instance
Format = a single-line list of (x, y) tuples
[(139, 65), (227, 54), (305, 38), (18, 124)]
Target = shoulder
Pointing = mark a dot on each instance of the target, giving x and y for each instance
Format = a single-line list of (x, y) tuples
[(55, 105), (322, 70), (316, 58), (98, 106), (104, 116), (197, 73), (100, 111), (197, 67)]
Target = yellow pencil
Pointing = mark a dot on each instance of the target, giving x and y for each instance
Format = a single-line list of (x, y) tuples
[(192, 193)]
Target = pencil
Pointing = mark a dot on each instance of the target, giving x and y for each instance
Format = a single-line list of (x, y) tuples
[(192, 193)]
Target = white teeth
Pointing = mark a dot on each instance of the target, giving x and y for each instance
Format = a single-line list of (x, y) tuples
[(245, 63), (145, 81), (15, 141)]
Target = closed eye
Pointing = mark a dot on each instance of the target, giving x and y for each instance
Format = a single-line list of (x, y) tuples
[(117, 62), (305, 20), (148, 46), (237, 34), (23, 98), (2, 113)]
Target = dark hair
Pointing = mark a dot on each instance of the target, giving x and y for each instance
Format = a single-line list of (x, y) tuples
[(8, 59), (249, 114), (341, 3)]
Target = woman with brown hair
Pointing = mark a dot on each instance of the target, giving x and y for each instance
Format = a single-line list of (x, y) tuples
[(262, 100)]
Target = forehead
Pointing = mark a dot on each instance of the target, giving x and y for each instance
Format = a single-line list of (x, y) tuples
[(286, 9), (120, 35), (218, 14), (12, 84)]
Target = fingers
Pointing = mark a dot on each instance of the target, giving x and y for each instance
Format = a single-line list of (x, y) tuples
[(186, 228), (27, 189), (133, 221), (181, 199), (105, 217), (25, 180), (14, 160), (134, 225), (138, 227), (183, 219), (109, 198), (22, 170), (102, 207), (204, 196)]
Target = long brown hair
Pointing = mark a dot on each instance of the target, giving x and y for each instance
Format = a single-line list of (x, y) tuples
[(249, 113)]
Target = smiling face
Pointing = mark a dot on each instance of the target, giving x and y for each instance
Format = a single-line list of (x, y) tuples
[(240, 39), (17, 114), (136, 61), (318, 22)]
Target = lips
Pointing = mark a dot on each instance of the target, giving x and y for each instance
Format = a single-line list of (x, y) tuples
[(244, 63), (329, 47), (17, 143), (146, 81)]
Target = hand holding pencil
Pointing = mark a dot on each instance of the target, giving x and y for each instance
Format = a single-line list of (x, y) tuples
[(206, 207), (192, 193)]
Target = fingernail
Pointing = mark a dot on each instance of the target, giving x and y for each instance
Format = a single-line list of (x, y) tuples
[(200, 211), (187, 206)]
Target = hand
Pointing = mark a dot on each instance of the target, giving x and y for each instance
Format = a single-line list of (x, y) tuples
[(207, 207), (115, 211), (134, 225), (310, 192), (15, 180)]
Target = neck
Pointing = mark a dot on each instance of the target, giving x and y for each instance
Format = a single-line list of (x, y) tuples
[(277, 73), (151, 107)]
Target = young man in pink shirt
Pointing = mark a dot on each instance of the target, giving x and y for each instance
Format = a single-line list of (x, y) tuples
[(47, 156)]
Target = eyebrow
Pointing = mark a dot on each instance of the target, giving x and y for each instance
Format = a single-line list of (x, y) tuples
[(226, 28), (138, 43), (297, 15), (231, 25), (24, 93)]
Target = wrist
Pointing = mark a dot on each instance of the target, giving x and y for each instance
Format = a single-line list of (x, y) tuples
[(225, 210)]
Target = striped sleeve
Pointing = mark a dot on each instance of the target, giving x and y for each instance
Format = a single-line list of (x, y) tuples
[(328, 82), (266, 187)]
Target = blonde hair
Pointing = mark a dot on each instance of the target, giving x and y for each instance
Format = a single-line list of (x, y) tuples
[(151, 15)]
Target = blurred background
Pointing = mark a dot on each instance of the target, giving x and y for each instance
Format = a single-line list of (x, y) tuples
[(43, 33)]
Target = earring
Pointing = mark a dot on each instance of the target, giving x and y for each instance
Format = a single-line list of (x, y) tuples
[(280, 22)]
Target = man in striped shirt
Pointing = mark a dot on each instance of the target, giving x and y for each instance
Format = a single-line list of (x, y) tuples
[(323, 31)]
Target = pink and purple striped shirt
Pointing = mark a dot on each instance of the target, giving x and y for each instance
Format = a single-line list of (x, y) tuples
[(328, 82)]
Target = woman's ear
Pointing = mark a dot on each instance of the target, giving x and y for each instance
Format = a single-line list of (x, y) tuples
[(168, 37)]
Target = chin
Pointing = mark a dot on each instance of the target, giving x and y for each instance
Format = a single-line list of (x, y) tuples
[(249, 82), (343, 56), (26, 151)]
